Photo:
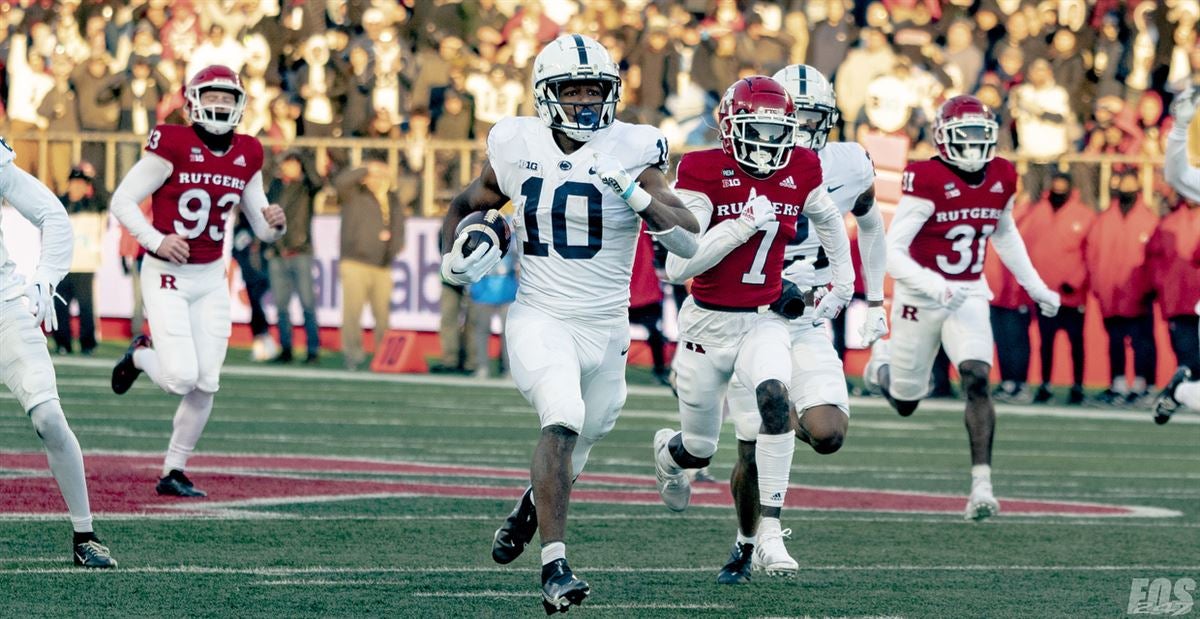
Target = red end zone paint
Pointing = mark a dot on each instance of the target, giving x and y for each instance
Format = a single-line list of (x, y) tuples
[(124, 484)]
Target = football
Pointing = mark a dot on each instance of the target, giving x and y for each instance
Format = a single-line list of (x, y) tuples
[(480, 227)]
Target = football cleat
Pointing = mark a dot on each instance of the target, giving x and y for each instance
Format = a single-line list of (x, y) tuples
[(881, 355), (511, 538), (1165, 404), (560, 587), (772, 556), (675, 489), (981, 503), (92, 554), (177, 484), (703, 476), (737, 569), (125, 372)]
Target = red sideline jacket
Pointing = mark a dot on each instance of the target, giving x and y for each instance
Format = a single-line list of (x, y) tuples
[(1056, 241), (1169, 256), (1116, 254)]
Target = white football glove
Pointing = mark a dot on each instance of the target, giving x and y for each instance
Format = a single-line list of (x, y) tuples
[(40, 296), (802, 272), (875, 326), (459, 270), (1047, 300), (830, 305), (1183, 108), (627, 188), (758, 210)]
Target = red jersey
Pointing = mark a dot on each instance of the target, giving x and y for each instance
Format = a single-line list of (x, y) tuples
[(953, 241), (203, 189), (750, 275)]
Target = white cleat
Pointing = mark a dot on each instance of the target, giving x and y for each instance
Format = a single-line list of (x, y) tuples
[(675, 489), (881, 355), (771, 556), (982, 504)]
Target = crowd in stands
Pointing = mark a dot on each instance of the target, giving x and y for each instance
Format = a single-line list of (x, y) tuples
[(1066, 77)]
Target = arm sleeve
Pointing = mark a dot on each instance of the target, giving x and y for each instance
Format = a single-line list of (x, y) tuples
[(872, 246), (143, 179), (254, 200), (1011, 249), (827, 220), (911, 214), (1183, 177), (714, 244), (37, 204)]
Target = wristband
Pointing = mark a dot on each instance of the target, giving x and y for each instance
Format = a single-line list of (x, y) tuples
[(637, 198)]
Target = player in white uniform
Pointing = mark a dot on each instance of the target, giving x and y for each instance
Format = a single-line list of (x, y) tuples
[(1186, 180), (581, 183), (818, 386), (24, 360)]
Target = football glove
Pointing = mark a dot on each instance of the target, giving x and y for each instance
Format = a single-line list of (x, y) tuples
[(952, 297), (790, 303), (831, 304), (875, 326), (1047, 300), (627, 188), (758, 210), (459, 270), (40, 296), (1183, 108)]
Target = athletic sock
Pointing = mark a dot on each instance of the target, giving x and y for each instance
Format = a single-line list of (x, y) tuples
[(190, 419)]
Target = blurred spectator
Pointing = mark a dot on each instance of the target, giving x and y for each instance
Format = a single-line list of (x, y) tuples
[(490, 297), (217, 48), (87, 80), (1176, 279), (182, 33), (1041, 110), (60, 110), (372, 235), (360, 92), (137, 92), (87, 207), (1115, 255), (251, 258), (1110, 59), (766, 47), (860, 67), (831, 36), (1111, 131), (714, 67), (28, 84), (434, 70), (1055, 231), (1011, 312), (530, 21), (963, 60), (496, 96), (1070, 72), (290, 259), (646, 304), (654, 67)]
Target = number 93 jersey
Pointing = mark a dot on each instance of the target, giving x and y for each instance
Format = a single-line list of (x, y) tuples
[(961, 217), (203, 189), (577, 236)]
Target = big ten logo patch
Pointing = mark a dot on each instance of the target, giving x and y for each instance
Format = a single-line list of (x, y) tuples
[(1161, 596), (908, 312), (168, 282)]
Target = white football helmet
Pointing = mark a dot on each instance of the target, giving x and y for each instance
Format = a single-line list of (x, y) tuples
[(816, 105), (575, 58)]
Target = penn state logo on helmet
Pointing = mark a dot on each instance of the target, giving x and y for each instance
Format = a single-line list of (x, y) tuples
[(965, 132), (757, 123), (575, 59), (484, 228), (217, 118), (815, 101)]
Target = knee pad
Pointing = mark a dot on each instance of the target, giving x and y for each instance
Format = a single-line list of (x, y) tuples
[(209, 383), (773, 405), (50, 424)]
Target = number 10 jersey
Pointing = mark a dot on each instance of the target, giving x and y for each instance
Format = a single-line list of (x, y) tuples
[(577, 237), (198, 198)]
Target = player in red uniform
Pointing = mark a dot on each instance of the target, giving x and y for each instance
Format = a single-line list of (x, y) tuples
[(951, 206), (196, 176), (747, 196)]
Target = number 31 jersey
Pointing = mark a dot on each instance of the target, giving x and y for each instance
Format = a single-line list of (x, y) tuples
[(577, 236), (953, 240), (203, 189)]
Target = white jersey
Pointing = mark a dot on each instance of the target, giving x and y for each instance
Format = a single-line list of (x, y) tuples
[(847, 172), (39, 205), (575, 236)]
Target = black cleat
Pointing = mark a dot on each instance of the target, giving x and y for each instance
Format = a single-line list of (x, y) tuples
[(125, 372), (510, 540), (1165, 404), (91, 554), (737, 569), (177, 484), (560, 588)]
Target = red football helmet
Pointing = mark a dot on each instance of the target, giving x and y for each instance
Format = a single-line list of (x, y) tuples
[(757, 122), (215, 118), (965, 132)]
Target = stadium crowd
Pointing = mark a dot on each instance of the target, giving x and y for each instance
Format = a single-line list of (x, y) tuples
[(1066, 77)]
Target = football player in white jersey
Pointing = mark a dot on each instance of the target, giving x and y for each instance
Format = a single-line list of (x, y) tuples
[(24, 359), (581, 183), (818, 387), (1179, 393)]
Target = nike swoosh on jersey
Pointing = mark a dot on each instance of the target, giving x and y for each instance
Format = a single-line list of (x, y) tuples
[(833, 189), (623, 352)]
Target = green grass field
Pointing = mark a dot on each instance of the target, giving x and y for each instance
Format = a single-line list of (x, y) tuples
[(393, 535)]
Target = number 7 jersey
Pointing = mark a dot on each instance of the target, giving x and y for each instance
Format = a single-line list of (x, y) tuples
[(577, 238), (198, 198)]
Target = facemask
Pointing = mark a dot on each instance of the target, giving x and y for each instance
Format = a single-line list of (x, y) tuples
[(1058, 199), (1126, 198)]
